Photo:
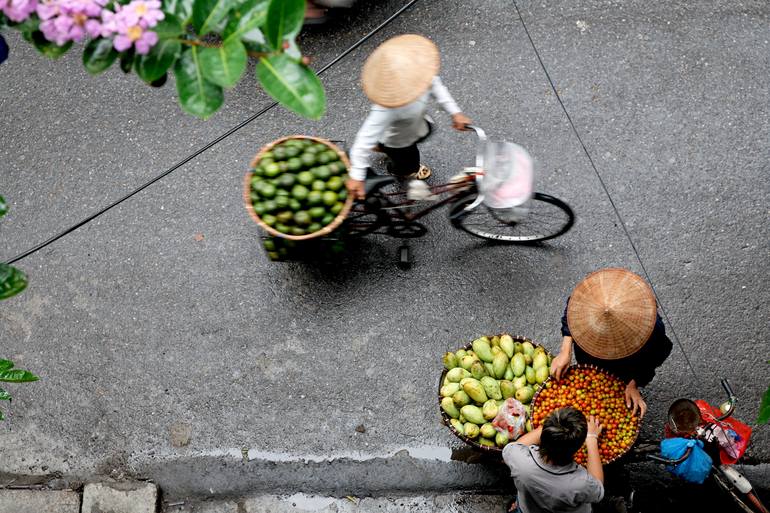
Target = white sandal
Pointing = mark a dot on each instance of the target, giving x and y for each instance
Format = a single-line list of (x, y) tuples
[(422, 174)]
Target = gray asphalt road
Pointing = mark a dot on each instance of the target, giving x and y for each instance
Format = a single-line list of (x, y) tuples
[(134, 325)]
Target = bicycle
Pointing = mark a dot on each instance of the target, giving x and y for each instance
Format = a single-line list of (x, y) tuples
[(688, 419), (540, 218)]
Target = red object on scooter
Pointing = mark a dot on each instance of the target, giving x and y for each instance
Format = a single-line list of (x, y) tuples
[(710, 415)]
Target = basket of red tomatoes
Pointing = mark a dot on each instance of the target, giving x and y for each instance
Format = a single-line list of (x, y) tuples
[(596, 392)]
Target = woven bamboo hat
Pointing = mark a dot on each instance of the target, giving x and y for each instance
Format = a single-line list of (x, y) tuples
[(400, 70), (611, 313)]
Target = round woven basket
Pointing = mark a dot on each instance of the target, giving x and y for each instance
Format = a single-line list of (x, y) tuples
[(445, 418), (585, 366), (326, 230)]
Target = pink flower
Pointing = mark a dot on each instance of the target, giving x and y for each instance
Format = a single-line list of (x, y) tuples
[(129, 25), (147, 12), (18, 10), (70, 20), (140, 38)]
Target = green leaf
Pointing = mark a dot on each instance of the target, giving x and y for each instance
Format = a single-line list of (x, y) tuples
[(17, 376), (764, 408), (4, 396), (46, 47), (182, 9), (197, 95), (284, 19), (1, 415), (224, 65), (169, 27), (207, 13), (5, 365), (12, 281), (293, 85), (99, 55), (3, 207), (246, 19), (29, 25), (127, 61), (161, 57)]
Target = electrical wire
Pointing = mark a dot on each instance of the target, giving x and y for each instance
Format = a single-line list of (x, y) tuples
[(206, 147)]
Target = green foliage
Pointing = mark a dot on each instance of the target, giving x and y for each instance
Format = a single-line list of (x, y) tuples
[(12, 281), (224, 65), (3, 207), (98, 55), (764, 407), (154, 65), (197, 95), (10, 375), (293, 85), (284, 20)]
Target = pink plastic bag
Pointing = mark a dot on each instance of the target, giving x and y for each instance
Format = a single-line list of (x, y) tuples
[(511, 419)]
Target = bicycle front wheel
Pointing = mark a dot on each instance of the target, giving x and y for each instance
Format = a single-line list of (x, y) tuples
[(748, 502), (547, 217)]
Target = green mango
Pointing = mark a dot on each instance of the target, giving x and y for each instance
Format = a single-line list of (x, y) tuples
[(449, 407), (465, 380), (506, 344), (495, 341), (517, 347), (550, 360), (471, 430), (488, 430), (459, 354), (519, 382), (450, 361), (478, 370), (524, 394), (507, 389), (508, 373), (518, 364), (528, 359), (495, 350), (448, 390), (499, 363), (528, 348), (468, 361), (541, 374), (539, 360), (445, 382), (473, 414), (486, 441), (456, 374), (457, 425), (502, 439), (491, 387), (460, 398), (482, 349), (489, 410), (539, 349), (475, 391), (528, 426), (490, 369), (530, 374)]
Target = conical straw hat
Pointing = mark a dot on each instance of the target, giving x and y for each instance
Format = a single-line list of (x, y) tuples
[(611, 313), (400, 70)]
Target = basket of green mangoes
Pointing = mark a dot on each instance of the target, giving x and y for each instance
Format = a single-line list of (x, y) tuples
[(296, 187), (479, 378)]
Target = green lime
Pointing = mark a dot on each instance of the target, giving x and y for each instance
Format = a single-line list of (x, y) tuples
[(314, 198), (279, 153), (322, 172), (327, 219), (285, 217), (281, 192), (317, 212), (283, 166), (254, 196), (291, 142), (295, 164), (302, 218), (336, 167), (267, 155), (293, 151), (283, 252), (319, 147), (333, 157), (314, 227), (282, 202), (259, 209), (257, 172), (336, 208), (334, 183), (269, 206), (330, 198), (318, 185), (272, 255), (269, 244), (308, 159), (305, 178), (272, 170), (295, 205), (267, 190), (299, 192), (268, 219), (342, 195), (296, 230), (282, 228), (286, 180), (322, 158)]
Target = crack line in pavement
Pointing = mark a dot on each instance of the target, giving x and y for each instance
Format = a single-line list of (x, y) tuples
[(606, 192), (207, 146)]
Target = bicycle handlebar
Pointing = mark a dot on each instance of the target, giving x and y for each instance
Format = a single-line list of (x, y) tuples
[(661, 459), (482, 136), (731, 399)]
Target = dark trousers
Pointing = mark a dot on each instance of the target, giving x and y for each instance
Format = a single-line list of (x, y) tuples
[(405, 161)]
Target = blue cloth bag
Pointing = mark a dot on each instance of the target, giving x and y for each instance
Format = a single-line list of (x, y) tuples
[(696, 467)]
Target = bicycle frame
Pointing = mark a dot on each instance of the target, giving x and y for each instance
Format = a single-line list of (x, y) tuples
[(459, 190)]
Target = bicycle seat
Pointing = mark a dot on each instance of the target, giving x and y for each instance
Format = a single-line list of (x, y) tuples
[(375, 182)]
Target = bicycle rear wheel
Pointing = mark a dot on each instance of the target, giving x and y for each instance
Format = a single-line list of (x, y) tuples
[(548, 217), (365, 217), (748, 502)]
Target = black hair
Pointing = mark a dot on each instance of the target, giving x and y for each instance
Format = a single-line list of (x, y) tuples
[(564, 432)]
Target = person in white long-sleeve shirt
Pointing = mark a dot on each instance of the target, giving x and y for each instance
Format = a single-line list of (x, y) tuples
[(399, 78)]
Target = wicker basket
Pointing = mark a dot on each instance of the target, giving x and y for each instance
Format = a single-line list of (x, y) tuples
[(445, 418), (586, 366), (326, 230)]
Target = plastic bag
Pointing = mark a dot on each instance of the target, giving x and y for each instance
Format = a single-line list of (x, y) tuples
[(736, 442), (696, 467), (511, 419), (508, 176)]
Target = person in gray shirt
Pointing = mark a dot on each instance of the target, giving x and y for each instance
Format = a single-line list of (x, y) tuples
[(542, 465)]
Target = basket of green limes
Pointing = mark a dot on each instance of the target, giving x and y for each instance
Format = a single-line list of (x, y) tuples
[(296, 187)]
